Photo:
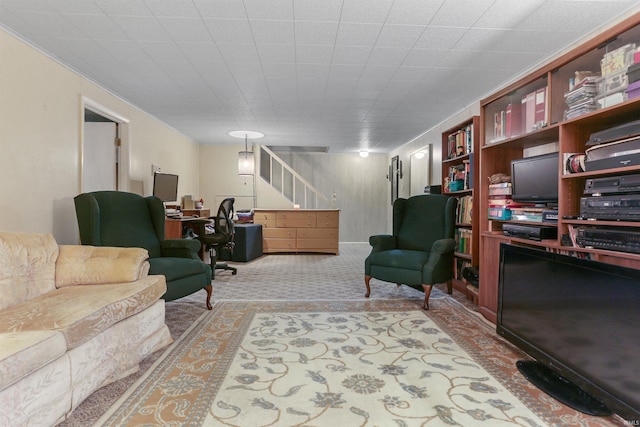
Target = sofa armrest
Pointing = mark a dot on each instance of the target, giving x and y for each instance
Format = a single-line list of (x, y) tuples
[(181, 248), (93, 265), (382, 242)]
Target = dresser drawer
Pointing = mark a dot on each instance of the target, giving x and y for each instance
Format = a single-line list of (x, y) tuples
[(279, 233), (266, 223), (264, 215), (277, 245), (329, 219), (317, 233), (319, 245), (294, 219)]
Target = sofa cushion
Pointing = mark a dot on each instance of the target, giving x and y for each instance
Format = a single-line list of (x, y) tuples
[(177, 268), (27, 266), (91, 265), (22, 353), (83, 311)]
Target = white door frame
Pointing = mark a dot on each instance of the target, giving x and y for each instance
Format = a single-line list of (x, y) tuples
[(124, 160)]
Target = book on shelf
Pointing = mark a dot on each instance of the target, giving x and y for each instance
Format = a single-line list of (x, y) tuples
[(529, 111), (513, 114), (464, 239), (460, 142), (541, 108), (465, 210)]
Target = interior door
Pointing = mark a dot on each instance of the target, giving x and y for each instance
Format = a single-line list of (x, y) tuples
[(100, 157)]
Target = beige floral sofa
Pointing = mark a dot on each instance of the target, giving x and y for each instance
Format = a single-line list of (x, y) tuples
[(72, 319)]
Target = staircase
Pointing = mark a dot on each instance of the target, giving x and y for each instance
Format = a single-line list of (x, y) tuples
[(291, 186)]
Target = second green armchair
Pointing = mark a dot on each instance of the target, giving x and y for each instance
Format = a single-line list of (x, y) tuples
[(419, 253), (117, 218)]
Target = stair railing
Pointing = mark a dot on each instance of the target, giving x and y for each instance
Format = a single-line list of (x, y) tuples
[(290, 184)]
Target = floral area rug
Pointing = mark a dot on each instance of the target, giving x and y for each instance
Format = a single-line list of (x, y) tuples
[(332, 363)]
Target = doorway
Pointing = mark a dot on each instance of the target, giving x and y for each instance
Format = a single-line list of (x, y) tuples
[(102, 149)]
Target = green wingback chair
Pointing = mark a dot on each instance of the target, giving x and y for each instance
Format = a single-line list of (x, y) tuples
[(420, 251), (117, 218)]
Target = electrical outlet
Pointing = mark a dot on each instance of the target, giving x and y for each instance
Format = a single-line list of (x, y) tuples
[(155, 168)]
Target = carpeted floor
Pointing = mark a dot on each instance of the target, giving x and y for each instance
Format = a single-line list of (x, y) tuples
[(305, 278)]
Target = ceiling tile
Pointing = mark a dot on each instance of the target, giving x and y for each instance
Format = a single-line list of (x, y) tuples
[(221, 9), (358, 34), (366, 11), (186, 29), (318, 10), (313, 32), (272, 9), (173, 8), (229, 30), (413, 12), (272, 31), (142, 28)]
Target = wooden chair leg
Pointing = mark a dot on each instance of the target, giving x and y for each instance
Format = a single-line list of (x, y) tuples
[(427, 292), (209, 289), (366, 282)]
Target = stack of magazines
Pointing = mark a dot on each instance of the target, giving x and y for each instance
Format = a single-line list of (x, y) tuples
[(581, 99)]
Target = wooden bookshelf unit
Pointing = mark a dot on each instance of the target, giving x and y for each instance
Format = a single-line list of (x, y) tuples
[(460, 146), (558, 127)]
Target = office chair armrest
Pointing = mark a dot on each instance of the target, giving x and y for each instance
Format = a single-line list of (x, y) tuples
[(181, 248), (382, 242)]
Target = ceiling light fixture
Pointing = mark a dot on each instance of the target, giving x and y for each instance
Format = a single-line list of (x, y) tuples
[(246, 158), (419, 155), (364, 153)]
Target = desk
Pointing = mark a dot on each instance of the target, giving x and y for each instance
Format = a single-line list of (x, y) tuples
[(173, 227)]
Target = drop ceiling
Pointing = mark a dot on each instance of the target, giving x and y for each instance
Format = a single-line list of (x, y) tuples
[(342, 74)]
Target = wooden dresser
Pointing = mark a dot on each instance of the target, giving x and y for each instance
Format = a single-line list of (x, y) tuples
[(298, 230)]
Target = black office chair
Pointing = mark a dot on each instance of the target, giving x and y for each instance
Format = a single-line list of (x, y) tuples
[(221, 237)]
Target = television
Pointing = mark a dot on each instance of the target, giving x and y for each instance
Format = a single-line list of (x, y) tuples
[(165, 186), (580, 322), (535, 179)]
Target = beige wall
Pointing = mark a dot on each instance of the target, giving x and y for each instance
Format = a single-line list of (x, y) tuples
[(40, 139)]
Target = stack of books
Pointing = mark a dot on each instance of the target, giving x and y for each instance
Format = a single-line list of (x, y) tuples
[(581, 99), (500, 200)]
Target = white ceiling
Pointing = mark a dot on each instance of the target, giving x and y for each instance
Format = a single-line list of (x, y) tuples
[(347, 74)]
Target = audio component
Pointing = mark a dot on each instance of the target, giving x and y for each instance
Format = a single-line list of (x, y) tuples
[(623, 207), (613, 184), (531, 232), (613, 239)]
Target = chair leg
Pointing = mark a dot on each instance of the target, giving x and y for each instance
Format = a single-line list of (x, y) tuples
[(366, 282), (427, 292), (449, 286), (209, 289)]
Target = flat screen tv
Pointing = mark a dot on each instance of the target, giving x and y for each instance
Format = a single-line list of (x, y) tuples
[(535, 179), (165, 186), (580, 322)]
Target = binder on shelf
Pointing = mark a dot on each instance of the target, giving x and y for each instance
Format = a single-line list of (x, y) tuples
[(540, 119), (514, 120), (530, 112)]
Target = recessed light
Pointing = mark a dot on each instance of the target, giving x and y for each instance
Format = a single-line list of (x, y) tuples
[(364, 153)]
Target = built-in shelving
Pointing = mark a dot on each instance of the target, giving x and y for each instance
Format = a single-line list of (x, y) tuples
[(552, 133), (460, 150)]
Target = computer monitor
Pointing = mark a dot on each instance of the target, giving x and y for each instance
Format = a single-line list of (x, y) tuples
[(165, 186)]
